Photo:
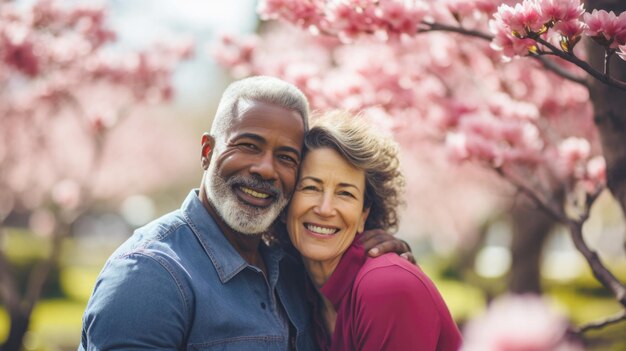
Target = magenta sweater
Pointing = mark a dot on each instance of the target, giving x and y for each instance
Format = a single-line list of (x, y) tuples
[(385, 303)]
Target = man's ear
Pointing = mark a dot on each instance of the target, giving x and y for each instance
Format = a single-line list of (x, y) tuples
[(208, 143)]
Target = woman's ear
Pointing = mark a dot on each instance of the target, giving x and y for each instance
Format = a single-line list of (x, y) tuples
[(363, 219), (208, 143)]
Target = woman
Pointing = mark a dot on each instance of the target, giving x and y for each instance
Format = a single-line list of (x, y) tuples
[(349, 182)]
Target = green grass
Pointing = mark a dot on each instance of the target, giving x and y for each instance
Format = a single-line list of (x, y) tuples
[(78, 282), (55, 324)]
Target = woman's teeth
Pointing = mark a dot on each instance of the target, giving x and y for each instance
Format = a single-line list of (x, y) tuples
[(321, 230), (254, 193)]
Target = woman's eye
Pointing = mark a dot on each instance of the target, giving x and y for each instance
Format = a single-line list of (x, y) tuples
[(309, 187), (347, 194)]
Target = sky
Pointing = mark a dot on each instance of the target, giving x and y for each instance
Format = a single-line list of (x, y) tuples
[(141, 22)]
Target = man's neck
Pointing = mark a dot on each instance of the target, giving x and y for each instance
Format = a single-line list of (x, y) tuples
[(248, 246)]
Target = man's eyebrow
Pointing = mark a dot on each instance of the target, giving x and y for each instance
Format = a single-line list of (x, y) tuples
[(250, 136), (260, 139), (290, 150)]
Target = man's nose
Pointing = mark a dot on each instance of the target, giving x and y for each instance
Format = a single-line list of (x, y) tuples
[(264, 167)]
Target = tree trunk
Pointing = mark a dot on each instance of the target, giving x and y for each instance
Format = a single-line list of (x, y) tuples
[(19, 326), (609, 106), (531, 227)]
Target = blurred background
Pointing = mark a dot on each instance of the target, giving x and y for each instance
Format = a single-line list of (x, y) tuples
[(100, 126)]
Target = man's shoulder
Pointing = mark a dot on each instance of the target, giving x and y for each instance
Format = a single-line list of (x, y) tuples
[(159, 235)]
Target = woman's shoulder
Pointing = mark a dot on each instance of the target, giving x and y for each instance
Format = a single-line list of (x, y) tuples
[(391, 274)]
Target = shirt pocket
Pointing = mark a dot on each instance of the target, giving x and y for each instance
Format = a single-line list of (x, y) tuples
[(248, 343)]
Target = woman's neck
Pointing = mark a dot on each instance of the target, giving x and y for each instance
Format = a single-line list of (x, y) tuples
[(320, 271)]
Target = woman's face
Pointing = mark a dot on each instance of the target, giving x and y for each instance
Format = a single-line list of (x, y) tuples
[(326, 210)]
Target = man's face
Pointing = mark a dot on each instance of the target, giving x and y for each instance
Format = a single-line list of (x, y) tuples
[(253, 169)]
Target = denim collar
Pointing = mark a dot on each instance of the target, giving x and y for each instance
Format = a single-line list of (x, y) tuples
[(227, 261)]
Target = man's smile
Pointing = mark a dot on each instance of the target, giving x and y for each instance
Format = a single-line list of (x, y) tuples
[(254, 197)]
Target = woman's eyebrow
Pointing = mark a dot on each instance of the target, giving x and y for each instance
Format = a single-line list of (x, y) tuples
[(319, 181)]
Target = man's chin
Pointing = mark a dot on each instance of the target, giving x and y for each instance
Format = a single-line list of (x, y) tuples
[(250, 220), (244, 217)]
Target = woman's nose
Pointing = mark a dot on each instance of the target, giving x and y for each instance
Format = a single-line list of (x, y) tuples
[(325, 207)]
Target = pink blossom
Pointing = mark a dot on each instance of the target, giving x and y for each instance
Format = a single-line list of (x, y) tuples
[(561, 10), (571, 29), (507, 43), (303, 12), (436, 86), (468, 146), (460, 8), (518, 322), (66, 194), (401, 16), (596, 169), (574, 149), (620, 36), (572, 152), (571, 33), (487, 7), (18, 49), (521, 20), (606, 28), (58, 86), (456, 145)]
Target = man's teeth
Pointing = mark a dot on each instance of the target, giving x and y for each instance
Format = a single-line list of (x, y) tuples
[(321, 230), (254, 193)]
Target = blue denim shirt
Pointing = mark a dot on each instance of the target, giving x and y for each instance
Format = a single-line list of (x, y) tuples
[(178, 284)]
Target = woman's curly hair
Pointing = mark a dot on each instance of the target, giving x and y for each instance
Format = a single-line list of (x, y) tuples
[(353, 137)]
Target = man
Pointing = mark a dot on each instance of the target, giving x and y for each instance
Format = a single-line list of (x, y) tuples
[(201, 277)]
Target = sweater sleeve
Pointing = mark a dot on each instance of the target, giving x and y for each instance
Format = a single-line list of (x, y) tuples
[(395, 311)]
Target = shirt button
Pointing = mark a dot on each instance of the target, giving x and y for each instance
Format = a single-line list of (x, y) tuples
[(263, 305)]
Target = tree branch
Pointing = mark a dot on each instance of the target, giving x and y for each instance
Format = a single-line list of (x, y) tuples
[(600, 324), (601, 273), (582, 64), (560, 71), (39, 276), (533, 195), (599, 270), (548, 64), (433, 26), (8, 287)]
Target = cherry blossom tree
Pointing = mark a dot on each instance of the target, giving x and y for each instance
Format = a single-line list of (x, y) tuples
[(63, 94), (532, 90)]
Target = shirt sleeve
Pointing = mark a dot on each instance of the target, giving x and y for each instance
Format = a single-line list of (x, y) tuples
[(394, 311), (137, 304)]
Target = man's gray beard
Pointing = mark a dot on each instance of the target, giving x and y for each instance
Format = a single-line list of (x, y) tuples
[(239, 216)]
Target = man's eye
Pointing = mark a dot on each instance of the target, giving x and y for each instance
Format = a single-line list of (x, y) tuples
[(288, 158), (248, 146)]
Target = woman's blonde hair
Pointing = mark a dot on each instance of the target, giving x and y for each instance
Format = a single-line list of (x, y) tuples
[(353, 137)]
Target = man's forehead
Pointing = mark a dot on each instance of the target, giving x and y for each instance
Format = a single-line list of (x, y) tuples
[(251, 111)]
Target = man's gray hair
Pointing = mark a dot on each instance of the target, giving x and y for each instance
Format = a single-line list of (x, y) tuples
[(265, 89)]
